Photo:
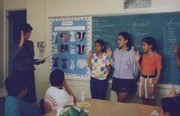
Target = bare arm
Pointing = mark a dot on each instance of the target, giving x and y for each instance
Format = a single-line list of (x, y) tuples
[(65, 85), (176, 50), (157, 76), (89, 56), (137, 58), (177, 60), (110, 56)]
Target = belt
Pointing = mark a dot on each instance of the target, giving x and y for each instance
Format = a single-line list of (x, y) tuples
[(148, 76)]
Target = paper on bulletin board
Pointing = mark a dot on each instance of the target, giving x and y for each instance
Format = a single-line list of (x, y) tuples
[(69, 45)]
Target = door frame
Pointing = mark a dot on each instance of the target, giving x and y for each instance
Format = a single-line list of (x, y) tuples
[(6, 50)]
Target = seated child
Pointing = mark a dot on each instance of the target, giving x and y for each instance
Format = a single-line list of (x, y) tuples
[(14, 104), (56, 97), (171, 104)]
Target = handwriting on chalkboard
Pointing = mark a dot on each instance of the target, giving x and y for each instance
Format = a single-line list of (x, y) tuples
[(169, 36), (171, 23), (141, 23)]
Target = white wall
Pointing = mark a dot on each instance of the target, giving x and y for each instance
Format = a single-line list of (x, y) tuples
[(38, 12)]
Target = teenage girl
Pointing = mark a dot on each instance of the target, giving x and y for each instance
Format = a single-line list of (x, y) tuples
[(100, 67), (125, 69), (150, 68)]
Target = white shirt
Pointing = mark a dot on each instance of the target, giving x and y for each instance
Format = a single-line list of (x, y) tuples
[(124, 64), (56, 98)]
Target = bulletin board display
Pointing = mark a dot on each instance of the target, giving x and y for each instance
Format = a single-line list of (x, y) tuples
[(69, 39)]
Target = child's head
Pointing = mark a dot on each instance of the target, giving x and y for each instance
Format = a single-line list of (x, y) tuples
[(100, 46), (16, 86), (148, 43), (124, 39), (57, 77)]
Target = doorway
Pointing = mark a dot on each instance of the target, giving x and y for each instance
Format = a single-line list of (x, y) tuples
[(15, 21)]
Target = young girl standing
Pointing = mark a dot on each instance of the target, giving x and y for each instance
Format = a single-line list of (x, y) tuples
[(100, 67), (150, 68), (123, 61)]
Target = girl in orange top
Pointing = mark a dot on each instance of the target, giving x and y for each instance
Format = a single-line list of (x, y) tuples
[(150, 68)]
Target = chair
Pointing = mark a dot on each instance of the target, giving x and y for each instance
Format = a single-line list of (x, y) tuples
[(2, 106)]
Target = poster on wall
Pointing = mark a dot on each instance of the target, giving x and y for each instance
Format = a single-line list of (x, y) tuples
[(69, 45), (136, 3)]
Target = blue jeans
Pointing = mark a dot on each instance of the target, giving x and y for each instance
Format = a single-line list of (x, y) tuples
[(98, 88)]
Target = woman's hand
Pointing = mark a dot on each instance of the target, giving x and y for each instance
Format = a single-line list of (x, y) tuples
[(109, 52), (89, 55), (21, 39), (42, 61), (176, 49), (137, 55), (152, 89)]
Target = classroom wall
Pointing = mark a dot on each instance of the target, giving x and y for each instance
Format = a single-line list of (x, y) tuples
[(1, 43), (38, 12)]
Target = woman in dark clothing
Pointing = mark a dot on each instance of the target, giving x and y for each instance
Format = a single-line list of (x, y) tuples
[(22, 54)]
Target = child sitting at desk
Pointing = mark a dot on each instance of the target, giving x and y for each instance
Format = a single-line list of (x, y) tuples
[(56, 97), (14, 104)]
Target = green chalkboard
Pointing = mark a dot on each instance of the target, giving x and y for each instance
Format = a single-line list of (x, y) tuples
[(164, 27)]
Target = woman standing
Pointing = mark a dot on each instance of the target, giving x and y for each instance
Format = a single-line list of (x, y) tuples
[(125, 69), (22, 54), (100, 67)]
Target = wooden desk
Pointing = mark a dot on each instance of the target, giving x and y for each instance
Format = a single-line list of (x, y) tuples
[(108, 108)]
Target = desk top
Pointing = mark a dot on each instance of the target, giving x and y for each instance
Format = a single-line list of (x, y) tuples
[(109, 108)]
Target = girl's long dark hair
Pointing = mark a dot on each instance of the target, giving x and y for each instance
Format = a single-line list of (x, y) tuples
[(127, 36), (150, 41)]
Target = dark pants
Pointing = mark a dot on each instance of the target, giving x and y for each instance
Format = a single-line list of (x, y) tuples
[(98, 88), (30, 81)]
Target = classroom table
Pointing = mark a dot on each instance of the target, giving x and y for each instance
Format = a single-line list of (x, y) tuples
[(109, 108)]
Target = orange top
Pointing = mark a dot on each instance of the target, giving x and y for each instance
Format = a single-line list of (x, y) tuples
[(151, 64)]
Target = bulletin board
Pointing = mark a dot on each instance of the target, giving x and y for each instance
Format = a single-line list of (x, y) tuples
[(69, 39)]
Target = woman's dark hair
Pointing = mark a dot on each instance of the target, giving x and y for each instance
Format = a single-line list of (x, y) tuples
[(14, 84), (56, 77), (102, 43), (150, 41), (126, 36), (26, 28)]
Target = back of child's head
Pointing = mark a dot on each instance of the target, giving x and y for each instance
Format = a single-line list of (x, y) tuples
[(14, 84), (102, 43), (56, 77), (126, 36), (151, 42)]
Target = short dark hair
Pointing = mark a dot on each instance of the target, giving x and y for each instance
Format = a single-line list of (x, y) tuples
[(14, 84), (150, 41), (102, 43), (126, 36), (56, 77), (26, 28)]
